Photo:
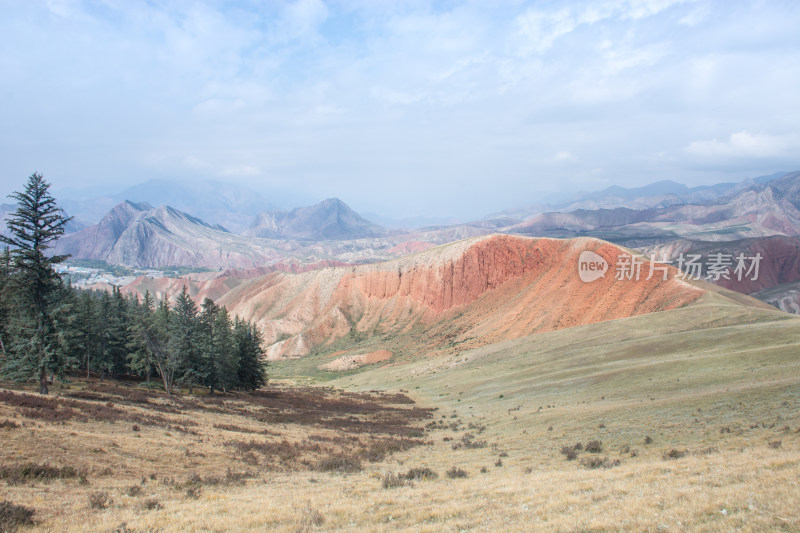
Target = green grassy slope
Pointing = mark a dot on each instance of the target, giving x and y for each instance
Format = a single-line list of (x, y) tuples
[(679, 376)]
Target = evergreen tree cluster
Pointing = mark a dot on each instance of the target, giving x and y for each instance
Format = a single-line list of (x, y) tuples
[(48, 328)]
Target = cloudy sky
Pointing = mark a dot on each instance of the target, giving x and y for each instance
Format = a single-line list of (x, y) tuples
[(402, 108)]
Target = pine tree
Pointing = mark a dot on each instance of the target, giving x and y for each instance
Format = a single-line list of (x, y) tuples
[(183, 339), (252, 370), (5, 299), (117, 333), (66, 319), (206, 333), (140, 355), (103, 315), (86, 327), (33, 227), (157, 332), (226, 356)]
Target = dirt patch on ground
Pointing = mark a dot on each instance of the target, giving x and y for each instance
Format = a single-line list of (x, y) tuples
[(351, 362)]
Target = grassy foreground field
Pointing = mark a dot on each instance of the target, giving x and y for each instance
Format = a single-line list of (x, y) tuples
[(687, 420)]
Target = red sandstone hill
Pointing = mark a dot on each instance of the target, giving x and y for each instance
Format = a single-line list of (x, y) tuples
[(464, 294)]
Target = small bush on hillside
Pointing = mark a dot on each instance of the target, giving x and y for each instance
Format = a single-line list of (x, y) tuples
[(150, 504), (675, 454), (99, 500), (37, 472), (598, 462), (456, 473), (419, 474), (311, 517), (391, 481), (13, 516), (338, 463), (594, 446), (569, 452)]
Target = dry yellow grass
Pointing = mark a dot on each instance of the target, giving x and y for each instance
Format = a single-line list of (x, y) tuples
[(720, 383)]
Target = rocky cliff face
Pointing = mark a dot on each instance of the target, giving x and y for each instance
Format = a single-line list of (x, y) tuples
[(465, 294)]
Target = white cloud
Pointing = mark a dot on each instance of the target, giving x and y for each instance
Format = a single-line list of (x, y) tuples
[(747, 145), (563, 156)]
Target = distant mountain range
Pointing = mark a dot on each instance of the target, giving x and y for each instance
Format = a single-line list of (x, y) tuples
[(331, 219), (137, 234), (762, 214), (140, 235), (228, 205), (660, 194), (755, 211)]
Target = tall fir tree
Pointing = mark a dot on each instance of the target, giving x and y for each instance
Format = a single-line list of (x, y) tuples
[(157, 333), (86, 327), (5, 299), (206, 333), (183, 339), (33, 228), (140, 354), (252, 370), (226, 356)]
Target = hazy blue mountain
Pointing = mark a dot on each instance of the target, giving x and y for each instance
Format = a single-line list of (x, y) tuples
[(228, 205), (330, 219)]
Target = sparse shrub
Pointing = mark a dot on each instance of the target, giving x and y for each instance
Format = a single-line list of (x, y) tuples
[(36, 472), (675, 454), (707, 451), (13, 516), (528, 470), (99, 500), (468, 441), (601, 426), (391, 481), (136, 428), (648, 440), (498, 463), (569, 452), (150, 504), (775, 444), (134, 490), (503, 454), (311, 517), (456, 473), (597, 462), (338, 463), (8, 424), (724, 430), (484, 470), (625, 449), (193, 492), (578, 446), (250, 458), (420, 473), (634, 453), (594, 446)]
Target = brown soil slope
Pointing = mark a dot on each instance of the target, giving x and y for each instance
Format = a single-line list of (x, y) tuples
[(465, 294)]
